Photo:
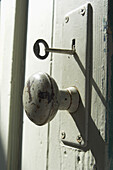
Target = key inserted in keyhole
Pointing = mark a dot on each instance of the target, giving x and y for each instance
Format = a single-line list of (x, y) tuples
[(36, 49)]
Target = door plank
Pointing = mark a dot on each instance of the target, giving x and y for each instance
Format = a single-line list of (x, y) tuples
[(35, 138), (93, 155)]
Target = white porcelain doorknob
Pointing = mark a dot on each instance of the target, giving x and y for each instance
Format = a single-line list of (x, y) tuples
[(42, 98)]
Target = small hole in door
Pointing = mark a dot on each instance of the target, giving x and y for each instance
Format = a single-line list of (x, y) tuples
[(78, 159)]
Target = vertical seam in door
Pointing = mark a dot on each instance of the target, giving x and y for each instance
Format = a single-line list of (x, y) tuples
[(51, 59), (52, 32)]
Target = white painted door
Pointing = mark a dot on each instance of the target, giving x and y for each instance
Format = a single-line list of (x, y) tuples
[(35, 139), (78, 141), (59, 22)]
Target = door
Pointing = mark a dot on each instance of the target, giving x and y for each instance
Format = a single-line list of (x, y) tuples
[(87, 141)]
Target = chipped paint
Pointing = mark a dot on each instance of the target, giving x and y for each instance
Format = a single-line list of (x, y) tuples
[(29, 87)]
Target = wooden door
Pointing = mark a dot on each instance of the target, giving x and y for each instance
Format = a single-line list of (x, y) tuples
[(88, 132), (42, 146)]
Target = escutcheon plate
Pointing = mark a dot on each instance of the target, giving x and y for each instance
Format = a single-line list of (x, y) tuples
[(77, 71)]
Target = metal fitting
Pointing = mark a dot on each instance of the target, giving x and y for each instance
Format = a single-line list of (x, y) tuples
[(66, 19), (63, 135), (79, 139), (82, 11)]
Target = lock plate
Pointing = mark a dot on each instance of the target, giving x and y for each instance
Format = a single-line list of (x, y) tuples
[(77, 70)]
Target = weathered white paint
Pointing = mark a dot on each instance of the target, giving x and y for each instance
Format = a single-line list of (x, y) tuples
[(63, 72), (42, 147), (17, 83), (6, 49), (35, 139)]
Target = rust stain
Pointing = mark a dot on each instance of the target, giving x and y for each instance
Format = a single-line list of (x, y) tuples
[(38, 107), (45, 95)]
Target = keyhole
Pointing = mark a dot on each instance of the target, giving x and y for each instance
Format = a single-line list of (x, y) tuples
[(42, 49), (73, 44)]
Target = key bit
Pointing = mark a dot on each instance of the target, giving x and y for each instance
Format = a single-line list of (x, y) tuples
[(36, 49)]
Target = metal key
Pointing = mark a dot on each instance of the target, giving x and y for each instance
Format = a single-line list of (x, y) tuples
[(36, 49)]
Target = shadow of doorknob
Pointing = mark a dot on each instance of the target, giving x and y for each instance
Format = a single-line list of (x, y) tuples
[(42, 98)]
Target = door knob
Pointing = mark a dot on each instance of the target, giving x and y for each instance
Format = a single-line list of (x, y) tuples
[(42, 98)]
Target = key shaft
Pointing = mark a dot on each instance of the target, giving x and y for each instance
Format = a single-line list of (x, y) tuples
[(61, 51)]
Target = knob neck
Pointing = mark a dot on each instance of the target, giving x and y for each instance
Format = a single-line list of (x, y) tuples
[(69, 99)]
